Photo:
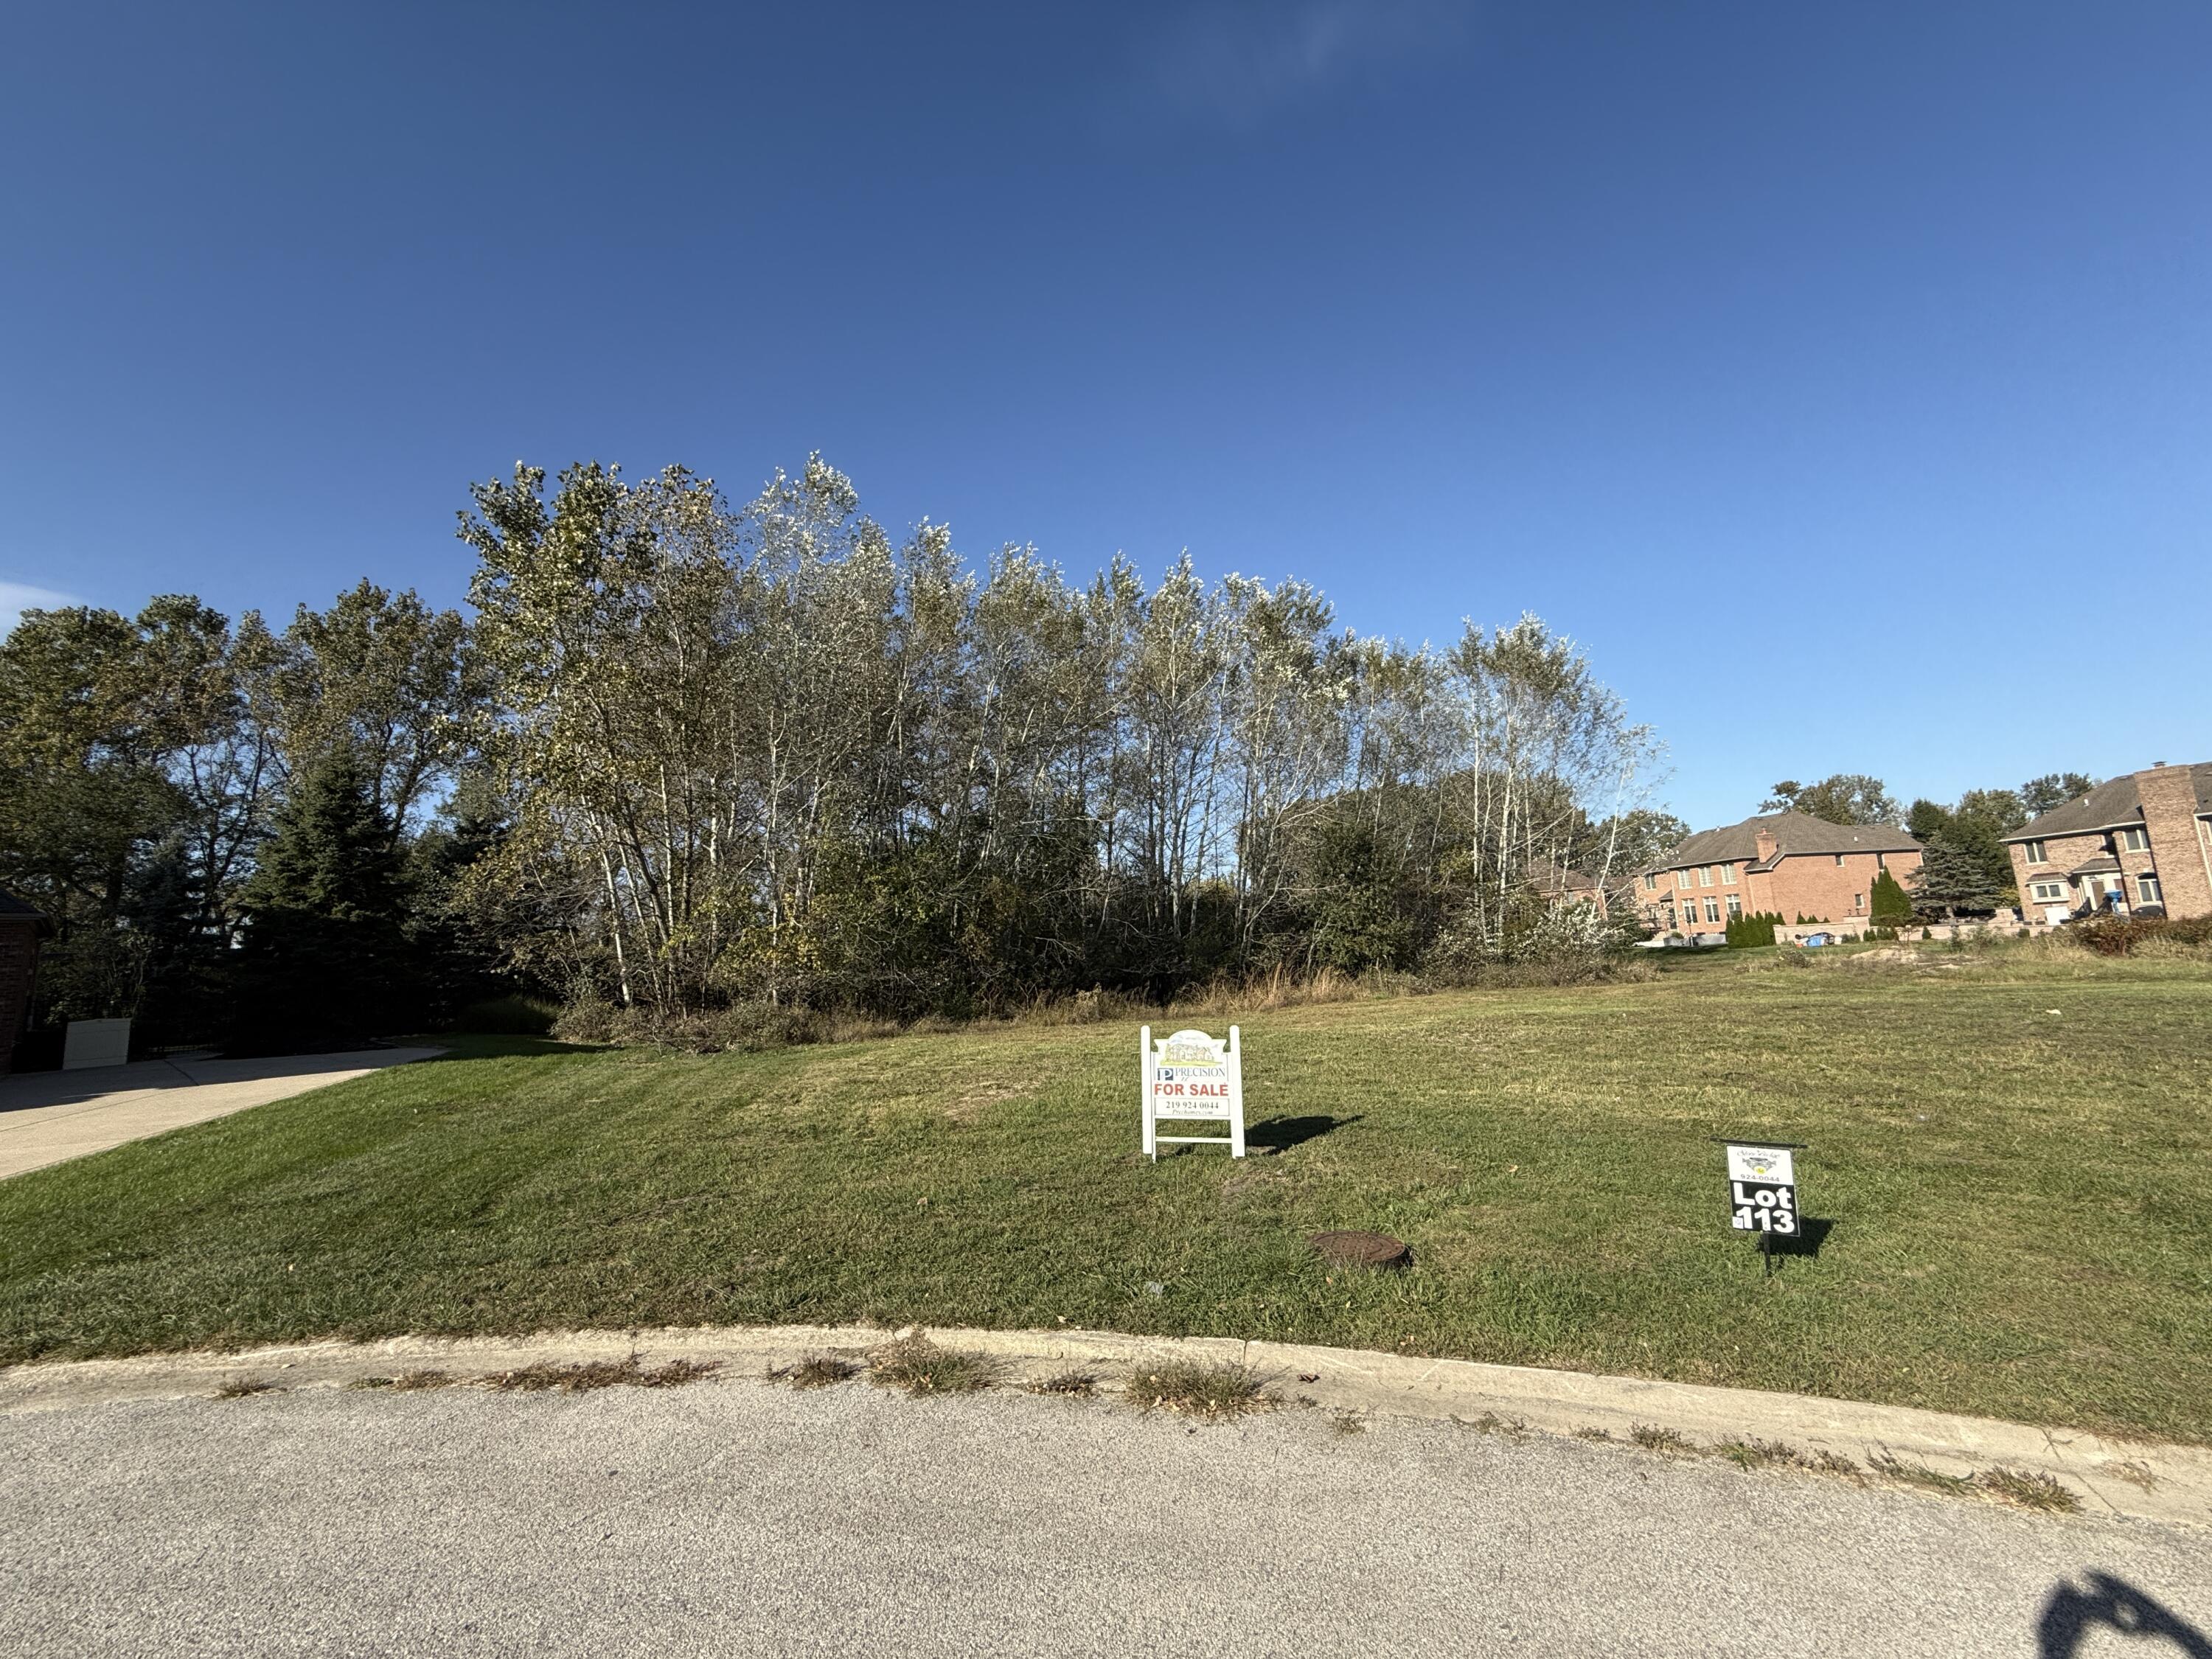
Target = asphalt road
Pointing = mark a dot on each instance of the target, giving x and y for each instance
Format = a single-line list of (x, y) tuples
[(738, 1518)]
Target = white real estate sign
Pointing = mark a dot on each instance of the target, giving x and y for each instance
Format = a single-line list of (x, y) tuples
[(1190, 1077), (1762, 1189)]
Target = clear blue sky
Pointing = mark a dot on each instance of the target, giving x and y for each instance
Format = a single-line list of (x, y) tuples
[(1841, 376)]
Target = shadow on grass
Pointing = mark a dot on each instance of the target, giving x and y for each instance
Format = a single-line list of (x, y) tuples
[(1812, 1232), (1279, 1134), (467, 1045)]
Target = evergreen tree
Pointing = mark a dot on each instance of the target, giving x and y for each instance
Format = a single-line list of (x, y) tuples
[(1952, 878), (1890, 905), (325, 959)]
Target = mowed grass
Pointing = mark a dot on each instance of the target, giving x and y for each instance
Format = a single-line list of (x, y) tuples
[(2017, 1198)]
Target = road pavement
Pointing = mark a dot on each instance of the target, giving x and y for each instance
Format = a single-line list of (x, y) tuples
[(738, 1517)]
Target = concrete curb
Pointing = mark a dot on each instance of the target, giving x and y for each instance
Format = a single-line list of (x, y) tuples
[(2167, 1484)]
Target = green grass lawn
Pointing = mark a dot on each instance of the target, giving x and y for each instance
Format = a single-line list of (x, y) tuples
[(2019, 1198)]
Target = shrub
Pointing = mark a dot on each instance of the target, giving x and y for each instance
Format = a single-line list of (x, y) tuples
[(509, 1016), (1891, 905), (1756, 929), (1569, 943), (2119, 936), (743, 1025)]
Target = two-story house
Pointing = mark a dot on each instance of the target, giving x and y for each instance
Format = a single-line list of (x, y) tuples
[(1786, 864), (2141, 842)]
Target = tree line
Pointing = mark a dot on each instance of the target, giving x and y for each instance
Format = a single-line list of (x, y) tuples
[(686, 755)]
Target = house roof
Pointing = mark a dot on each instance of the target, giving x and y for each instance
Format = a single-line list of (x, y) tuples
[(14, 909), (1794, 833), (1556, 878), (2115, 801), (2103, 863)]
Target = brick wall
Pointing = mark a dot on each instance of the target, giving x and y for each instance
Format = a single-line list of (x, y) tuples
[(1814, 884), (1802, 884), (2060, 854), (19, 959), (2177, 845), (1689, 903)]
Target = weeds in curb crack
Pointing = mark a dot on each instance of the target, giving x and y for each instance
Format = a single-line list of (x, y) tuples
[(412, 1382), (1077, 1383), (1759, 1454), (241, 1388), (2026, 1489), (920, 1366), (1652, 1437), (816, 1370), (1920, 1475), (1490, 1423), (1212, 1392), (583, 1375)]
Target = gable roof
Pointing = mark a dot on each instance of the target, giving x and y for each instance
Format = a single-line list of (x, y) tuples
[(1794, 832), (14, 909), (2115, 801), (1549, 878)]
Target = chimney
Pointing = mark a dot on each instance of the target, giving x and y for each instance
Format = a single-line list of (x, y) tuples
[(1767, 844)]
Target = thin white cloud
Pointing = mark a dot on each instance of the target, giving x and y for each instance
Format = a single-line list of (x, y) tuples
[(1238, 65), (16, 598)]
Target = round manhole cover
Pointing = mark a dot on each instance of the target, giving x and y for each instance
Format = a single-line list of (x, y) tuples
[(1361, 1249)]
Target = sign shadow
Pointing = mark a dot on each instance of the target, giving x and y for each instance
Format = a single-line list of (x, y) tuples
[(2102, 1602), (1279, 1134), (1811, 1233)]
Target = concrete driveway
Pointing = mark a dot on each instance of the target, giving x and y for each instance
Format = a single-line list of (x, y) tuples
[(48, 1117), (744, 1518)]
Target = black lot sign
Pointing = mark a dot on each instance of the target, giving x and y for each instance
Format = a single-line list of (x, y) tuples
[(1762, 1189)]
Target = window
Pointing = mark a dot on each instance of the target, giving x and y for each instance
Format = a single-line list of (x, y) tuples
[(1705, 875), (1858, 899), (1839, 860), (1681, 878), (1728, 874), (2135, 840), (2037, 853), (1735, 905), (1881, 860), (2147, 890), (1713, 909), (2047, 892), (1651, 883)]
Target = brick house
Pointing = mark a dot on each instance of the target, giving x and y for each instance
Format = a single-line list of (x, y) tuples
[(22, 927), (2143, 840), (1559, 885), (1788, 864)]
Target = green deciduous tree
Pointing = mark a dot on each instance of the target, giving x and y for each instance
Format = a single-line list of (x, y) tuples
[(762, 752), (1844, 798), (2053, 790)]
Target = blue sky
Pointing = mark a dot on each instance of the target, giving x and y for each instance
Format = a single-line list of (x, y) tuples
[(1841, 377)]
